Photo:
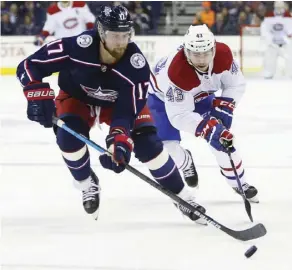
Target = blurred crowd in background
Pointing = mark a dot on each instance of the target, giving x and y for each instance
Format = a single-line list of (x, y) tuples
[(224, 18), (28, 17)]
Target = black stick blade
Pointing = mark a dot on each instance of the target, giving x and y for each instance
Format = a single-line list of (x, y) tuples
[(254, 232)]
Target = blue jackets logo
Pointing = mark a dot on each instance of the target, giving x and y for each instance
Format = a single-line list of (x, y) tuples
[(84, 41), (101, 94), (137, 60)]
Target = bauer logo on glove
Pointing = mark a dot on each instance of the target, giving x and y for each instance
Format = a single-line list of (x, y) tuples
[(35, 94)]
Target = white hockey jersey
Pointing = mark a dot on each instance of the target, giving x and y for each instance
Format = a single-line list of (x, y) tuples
[(183, 88), (276, 29), (69, 21)]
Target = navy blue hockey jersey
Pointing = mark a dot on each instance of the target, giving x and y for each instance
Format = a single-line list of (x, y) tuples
[(122, 86)]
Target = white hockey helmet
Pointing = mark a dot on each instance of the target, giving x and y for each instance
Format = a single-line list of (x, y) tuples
[(199, 46), (279, 7), (199, 39)]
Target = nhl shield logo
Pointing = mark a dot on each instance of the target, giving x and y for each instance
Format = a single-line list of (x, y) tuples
[(99, 93)]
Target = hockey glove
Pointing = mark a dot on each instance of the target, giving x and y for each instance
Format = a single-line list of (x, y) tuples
[(121, 147), (41, 105), (215, 134), (39, 40), (223, 110)]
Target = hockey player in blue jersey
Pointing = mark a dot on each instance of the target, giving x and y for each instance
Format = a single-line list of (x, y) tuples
[(103, 77)]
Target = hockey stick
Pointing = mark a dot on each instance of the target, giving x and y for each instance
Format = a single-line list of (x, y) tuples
[(254, 232), (246, 202)]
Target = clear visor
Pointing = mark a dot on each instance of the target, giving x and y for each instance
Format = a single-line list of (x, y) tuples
[(200, 59)]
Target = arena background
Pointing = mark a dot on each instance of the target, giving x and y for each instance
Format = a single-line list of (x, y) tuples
[(158, 25)]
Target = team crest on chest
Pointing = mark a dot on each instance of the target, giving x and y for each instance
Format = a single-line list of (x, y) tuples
[(278, 27), (84, 41), (137, 60), (101, 94)]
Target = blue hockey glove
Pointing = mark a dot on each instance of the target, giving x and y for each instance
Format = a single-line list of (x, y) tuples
[(41, 105), (121, 147), (223, 110), (215, 134)]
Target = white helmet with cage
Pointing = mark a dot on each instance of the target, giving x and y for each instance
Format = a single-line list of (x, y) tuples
[(199, 46)]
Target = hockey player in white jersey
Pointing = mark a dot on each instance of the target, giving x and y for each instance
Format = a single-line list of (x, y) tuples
[(181, 98), (66, 19), (276, 32)]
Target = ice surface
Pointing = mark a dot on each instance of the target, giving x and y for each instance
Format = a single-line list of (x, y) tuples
[(43, 225)]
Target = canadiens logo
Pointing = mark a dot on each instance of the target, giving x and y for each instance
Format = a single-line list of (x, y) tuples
[(101, 94), (70, 23), (278, 27)]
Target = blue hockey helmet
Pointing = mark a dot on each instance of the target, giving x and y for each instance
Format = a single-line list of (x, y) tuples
[(114, 18)]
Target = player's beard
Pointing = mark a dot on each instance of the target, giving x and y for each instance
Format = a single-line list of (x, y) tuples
[(118, 52)]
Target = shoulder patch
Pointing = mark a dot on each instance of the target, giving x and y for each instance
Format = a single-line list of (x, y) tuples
[(84, 41), (137, 60), (181, 73), (223, 58), (78, 4), (269, 14), (53, 9)]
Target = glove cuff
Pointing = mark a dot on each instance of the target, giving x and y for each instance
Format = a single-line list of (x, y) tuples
[(126, 140), (38, 91), (224, 102), (205, 126)]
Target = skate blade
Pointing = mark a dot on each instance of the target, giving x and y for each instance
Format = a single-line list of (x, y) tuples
[(254, 199), (95, 214)]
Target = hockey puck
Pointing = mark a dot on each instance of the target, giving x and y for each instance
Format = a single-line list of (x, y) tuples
[(250, 251)]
